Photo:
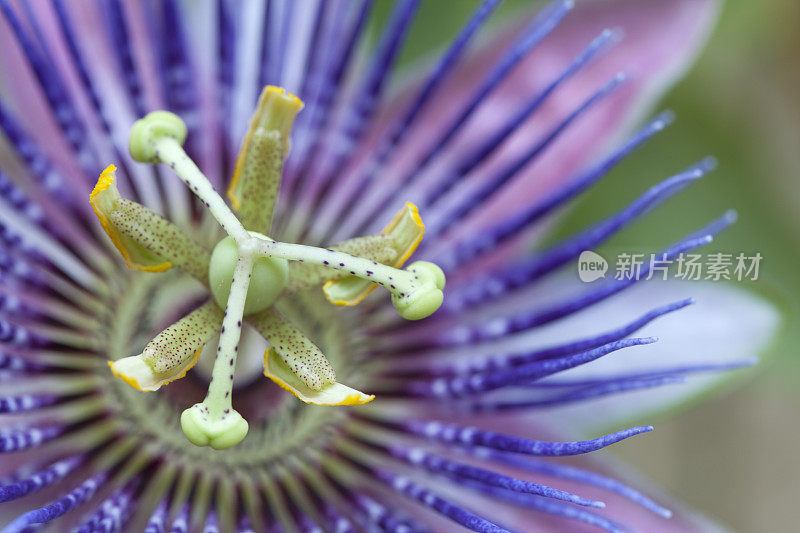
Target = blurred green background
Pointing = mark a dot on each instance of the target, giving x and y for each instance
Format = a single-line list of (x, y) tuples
[(732, 456)]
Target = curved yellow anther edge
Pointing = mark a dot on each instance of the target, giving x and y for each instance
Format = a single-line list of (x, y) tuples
[(334, 394), (102, 198), (366, 287), (412, 210), (127, 379), (133, 382), (295, 105)]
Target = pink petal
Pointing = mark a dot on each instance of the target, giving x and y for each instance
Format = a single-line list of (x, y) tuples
[(661, 38)]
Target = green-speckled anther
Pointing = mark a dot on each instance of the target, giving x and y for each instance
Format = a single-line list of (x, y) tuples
[(298, 353), (161, 237), (172, 352), (253, 188)]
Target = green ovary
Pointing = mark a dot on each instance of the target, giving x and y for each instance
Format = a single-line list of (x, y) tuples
[(268, 279)]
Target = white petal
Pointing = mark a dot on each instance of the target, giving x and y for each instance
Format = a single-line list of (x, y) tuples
[(727, 323)]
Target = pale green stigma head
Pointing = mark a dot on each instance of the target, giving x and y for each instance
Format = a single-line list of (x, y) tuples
[(269, 276), (154, 126), (427, 295), (203, 429)]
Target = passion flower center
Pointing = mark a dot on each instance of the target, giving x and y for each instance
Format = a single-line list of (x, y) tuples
[(248, 272)]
